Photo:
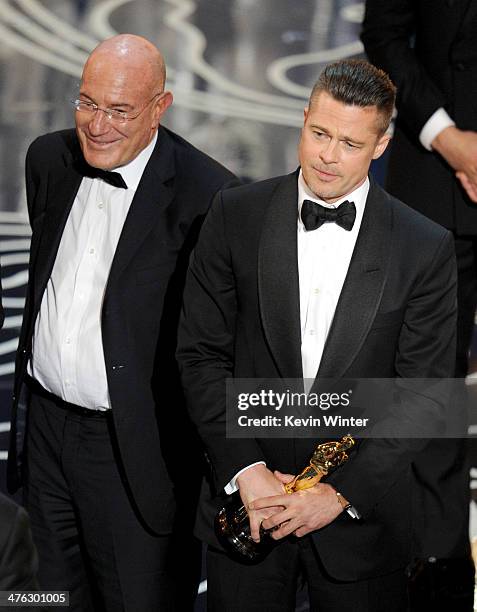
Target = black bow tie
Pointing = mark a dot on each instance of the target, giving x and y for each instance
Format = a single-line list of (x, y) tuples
[(112, 178), (314, 215)]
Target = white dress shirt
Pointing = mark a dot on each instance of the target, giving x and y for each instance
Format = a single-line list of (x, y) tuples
[(324, 256), (67, 353)]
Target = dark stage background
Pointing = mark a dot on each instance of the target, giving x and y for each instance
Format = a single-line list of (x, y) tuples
[(240, 71)]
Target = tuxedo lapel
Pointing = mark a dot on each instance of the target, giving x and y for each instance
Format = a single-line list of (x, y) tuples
[(154, 194), (363, 287), (151, 199), (278, 286), (61, 194)]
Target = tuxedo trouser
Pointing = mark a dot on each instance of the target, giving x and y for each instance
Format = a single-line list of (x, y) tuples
[(89, 537), (272, 584), (466, 255)]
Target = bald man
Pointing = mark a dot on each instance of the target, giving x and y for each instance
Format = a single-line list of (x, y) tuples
[(115, 208)]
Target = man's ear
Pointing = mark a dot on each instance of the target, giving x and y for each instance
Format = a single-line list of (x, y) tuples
[(381, 145), (162, 104)]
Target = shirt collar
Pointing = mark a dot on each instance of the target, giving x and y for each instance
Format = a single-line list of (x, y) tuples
[(358, 196), (133, 171)]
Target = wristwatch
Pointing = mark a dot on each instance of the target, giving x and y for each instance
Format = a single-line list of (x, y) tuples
[(344, 503)]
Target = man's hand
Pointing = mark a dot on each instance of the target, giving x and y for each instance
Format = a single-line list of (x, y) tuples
[(259, 482), (471, 188), (303, 511), (459, 149)]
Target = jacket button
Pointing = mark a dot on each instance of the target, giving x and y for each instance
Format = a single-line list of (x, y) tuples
[(460, 66)]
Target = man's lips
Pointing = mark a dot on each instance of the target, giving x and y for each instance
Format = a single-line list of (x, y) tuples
[(325, 175), (100, 144)]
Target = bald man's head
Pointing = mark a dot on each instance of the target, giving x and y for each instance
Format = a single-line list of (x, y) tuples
[(125, 73), (134, 53)]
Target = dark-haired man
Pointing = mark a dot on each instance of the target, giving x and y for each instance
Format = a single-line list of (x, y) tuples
[(366, 290)]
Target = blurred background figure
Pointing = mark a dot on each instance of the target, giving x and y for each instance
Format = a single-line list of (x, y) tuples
[(18, 556), (430, 52)]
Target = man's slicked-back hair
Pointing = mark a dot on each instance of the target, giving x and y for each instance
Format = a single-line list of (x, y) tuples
[(358, 83)]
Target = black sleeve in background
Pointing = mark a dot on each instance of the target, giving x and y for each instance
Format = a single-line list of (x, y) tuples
[(388, 34)]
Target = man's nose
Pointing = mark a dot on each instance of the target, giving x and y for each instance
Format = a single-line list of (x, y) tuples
[(99, 123), (329, 152)]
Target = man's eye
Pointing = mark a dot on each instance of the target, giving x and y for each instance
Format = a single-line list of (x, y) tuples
[(350, 145), (319, 134), (84, 105)]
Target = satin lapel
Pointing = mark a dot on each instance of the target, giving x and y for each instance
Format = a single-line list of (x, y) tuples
[(154, 194), (363, 286), (61, 195), (278, 287)]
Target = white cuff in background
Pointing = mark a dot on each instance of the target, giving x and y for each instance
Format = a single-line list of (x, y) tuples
[(231, 486), (437, 122)]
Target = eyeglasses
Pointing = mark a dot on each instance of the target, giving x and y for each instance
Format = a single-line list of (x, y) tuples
[(112, 114)]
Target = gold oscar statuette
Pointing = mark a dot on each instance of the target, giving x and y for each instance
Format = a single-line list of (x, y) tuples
[(231, 523)]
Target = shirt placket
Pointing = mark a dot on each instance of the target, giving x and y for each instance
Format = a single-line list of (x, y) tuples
[(82, 293)]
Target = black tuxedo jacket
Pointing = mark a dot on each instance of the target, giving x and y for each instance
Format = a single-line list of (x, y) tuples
[(141, 303), (395, 318), (429, 49), (18, 556)]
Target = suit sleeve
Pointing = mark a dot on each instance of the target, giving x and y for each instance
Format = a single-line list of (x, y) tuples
[(424, 364), (33, 171), (206, 346), (388, 30)]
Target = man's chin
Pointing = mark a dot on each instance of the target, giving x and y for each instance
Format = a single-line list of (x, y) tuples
[(323, 194), (104, 162), (96, 156)]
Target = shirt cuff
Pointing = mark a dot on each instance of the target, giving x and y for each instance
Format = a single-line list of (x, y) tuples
[(231, 486), (437, 122)]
